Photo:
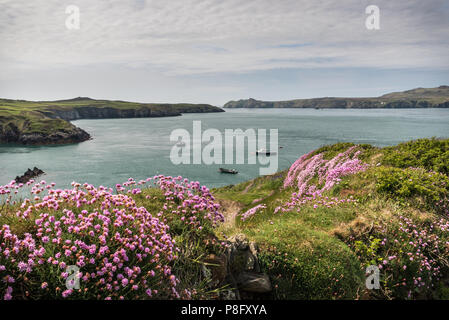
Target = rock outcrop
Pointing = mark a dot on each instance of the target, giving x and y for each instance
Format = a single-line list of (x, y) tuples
[(28, 175), (56, 137), (239, 269)]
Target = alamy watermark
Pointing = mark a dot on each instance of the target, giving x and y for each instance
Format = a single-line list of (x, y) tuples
[(72, 22), (373, 277), (73, 278), (220, 149), (372, 22)]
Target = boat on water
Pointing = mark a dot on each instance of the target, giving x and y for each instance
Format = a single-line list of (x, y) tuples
[(180, 144), (265, 152), (231, 171)]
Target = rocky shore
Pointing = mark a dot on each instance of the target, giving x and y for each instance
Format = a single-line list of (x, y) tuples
[(73, 134)]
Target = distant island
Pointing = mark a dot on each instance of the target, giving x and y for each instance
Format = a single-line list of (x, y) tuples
[(415, 98), (47, 122)]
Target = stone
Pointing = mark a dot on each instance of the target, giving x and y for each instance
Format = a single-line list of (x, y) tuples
[(29, 174), (216, 267), (242, 261), (240, 241), (228, 295), (254, 282)]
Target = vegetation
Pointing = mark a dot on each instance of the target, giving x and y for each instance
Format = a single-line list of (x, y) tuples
[(122, 250), (430, 154)]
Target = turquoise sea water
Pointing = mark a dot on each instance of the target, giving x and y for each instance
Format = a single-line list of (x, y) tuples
[(140, 148)]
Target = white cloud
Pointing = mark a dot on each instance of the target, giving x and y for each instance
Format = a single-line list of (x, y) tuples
[(192, 36)]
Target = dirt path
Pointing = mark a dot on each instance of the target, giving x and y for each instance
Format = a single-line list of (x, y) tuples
[(248, 186), (230, 209)]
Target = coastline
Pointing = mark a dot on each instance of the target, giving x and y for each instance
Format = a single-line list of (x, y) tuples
[(48, 123)]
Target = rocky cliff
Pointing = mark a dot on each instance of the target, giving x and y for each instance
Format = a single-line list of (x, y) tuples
[(40, 123)]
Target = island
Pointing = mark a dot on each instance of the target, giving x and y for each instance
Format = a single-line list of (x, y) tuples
[(415, 98), (48, 122)]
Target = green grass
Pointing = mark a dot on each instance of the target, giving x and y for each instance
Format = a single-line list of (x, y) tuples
[(302, 258), (306, 263)]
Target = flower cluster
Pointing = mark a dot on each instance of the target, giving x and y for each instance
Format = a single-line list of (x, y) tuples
[(329, 172), (121, 250), (251, 212), (315, 199), (408, 254), (326, 174), (188, 201)]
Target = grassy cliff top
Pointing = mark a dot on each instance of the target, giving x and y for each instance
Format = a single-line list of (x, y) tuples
[(20, 119), (68, 104)]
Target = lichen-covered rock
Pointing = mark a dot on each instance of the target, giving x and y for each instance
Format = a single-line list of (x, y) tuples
[(215, 268), (254, 282)]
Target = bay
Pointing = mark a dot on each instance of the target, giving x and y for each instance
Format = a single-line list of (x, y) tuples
[(140, 148)]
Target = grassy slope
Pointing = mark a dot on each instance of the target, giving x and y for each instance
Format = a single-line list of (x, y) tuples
[(314, 253)]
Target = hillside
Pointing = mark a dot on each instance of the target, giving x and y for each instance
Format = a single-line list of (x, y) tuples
[(416, 98), (308, 232), (342, 208), (47, 122)]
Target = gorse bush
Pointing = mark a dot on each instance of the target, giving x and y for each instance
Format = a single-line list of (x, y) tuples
[(423, 188), (431, 154), (121, 250)]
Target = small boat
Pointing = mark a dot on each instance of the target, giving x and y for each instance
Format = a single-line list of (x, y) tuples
[(265, 152), (231, 171), (180, 144)]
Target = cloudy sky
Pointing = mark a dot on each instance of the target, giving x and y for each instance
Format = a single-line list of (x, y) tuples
[(213, 51)]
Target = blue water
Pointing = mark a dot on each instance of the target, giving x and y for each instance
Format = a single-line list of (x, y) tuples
[(139, 148)]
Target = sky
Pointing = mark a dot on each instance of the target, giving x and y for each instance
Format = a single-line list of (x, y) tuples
[(214, 51)]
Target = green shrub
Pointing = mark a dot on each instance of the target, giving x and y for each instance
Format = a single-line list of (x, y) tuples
[(307, 264), (418, 186), (431, 154)]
